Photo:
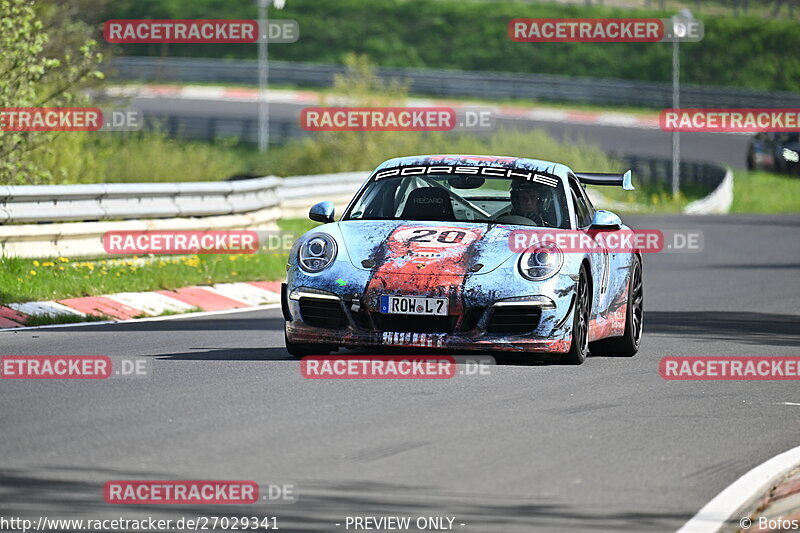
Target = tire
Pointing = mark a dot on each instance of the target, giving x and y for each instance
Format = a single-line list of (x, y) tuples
[(579, 348), (628, 344), (301, 350)]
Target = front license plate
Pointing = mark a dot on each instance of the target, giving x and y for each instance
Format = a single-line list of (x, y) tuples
[(412, 305)]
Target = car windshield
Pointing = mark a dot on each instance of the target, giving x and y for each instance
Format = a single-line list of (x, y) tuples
[(447, 198)]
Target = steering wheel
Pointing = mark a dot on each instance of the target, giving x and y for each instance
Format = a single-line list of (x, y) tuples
[(508, 218), (515, 219)]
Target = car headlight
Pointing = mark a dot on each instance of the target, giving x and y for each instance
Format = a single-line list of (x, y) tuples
[(317, 252), (790, 155), (540, 262)]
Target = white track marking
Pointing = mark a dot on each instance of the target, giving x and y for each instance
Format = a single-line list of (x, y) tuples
[(246, 293), (51, 309), (151, 303), (713, 516)]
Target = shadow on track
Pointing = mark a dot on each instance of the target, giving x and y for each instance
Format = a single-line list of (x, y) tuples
[(230, 354), (60, 492), (736, 326)]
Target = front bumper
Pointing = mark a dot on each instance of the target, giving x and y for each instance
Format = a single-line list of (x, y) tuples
[(485, 321)]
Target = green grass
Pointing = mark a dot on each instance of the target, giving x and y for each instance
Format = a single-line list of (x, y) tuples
[(764, 192), (464, 35), (25, 280)]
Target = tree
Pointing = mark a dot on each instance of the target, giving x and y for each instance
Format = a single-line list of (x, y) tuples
[(41, 65)]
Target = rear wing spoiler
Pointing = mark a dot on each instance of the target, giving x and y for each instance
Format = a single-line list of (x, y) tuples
[(599, 178)]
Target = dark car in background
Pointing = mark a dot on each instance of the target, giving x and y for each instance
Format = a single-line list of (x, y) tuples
[(775, 151)]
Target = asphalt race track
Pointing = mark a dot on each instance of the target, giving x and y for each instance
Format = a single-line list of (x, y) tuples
[(712, 147), (607, 446)]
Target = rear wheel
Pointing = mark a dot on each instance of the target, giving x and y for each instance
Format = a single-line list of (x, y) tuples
[(628, 344), (580, 322), (301, 350)]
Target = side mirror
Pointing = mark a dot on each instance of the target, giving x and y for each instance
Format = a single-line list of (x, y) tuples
[(605, 220), (322, 212)]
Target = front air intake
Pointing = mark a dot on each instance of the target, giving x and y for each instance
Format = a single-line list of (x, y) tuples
[(514, 319), (322, 313)]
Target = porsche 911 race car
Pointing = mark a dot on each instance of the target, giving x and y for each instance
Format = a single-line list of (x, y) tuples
[(421, 257)]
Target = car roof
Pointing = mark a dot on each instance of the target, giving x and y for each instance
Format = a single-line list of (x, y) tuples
[(556, 169)]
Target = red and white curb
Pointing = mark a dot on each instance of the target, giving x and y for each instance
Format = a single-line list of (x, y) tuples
[(229, 94), (130, 305), (244, 94)]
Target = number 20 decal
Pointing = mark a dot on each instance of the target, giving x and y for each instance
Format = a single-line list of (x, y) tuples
[(449, 236), (433, 236)]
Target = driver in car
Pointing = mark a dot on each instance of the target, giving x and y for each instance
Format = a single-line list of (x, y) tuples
[(530, 200)]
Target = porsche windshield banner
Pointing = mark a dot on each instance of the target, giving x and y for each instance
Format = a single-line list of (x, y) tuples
[(469, 170)]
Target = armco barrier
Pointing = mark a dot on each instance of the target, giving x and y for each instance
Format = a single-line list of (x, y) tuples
[(70, 220), (299, 193), (716, 181), (452, 83), (190, 126), (85, 239), (115, 201)]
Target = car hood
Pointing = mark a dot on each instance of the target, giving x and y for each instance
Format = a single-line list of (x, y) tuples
[(426, 248)]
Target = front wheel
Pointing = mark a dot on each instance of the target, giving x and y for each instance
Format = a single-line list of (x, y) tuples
[(580, 322), (628, 344)]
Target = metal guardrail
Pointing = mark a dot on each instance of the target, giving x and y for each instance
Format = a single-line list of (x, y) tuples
[(21, 204), (123, 201), (210, 128), (714, 181), (449, 83), (70, 220), (303, 187), (695, 174)]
